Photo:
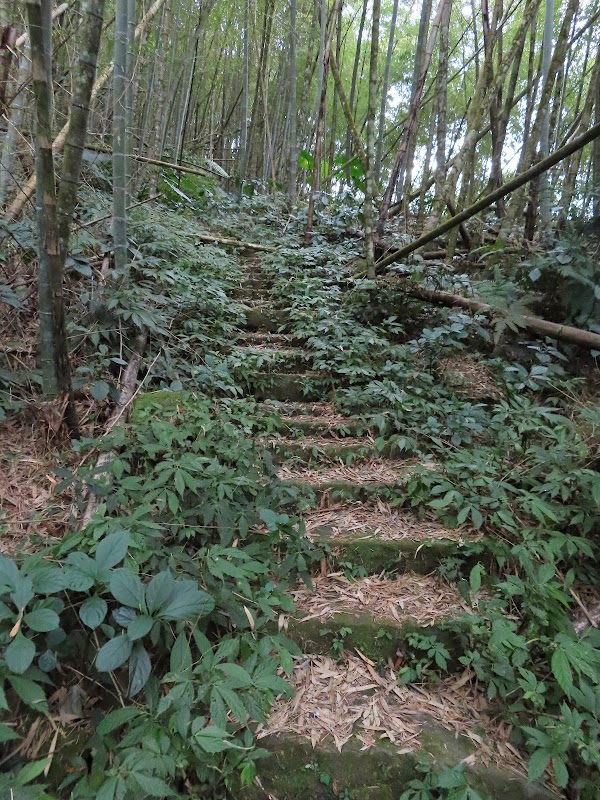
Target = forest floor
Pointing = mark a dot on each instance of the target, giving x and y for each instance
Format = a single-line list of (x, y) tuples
[(438, 495)]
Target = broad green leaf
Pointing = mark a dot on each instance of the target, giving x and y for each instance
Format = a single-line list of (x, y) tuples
[(139, 669), (537, 764), (475, 577), (212, 739), (99, 390), (233, 702), (114, 720), (158, 591), (19, 654), (7, 733), (112, 549), (108, 789), (42, 620), (186, 602), (31, 771), (30, 692), (562, 670), (127, 588), (153, 786), (237, 677), (9, 574), (181, 654), (23, 591), (139, 627), (113, 654), (93, 611), (47, 579)]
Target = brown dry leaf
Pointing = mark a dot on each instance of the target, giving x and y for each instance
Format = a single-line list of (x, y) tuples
[(341, 700), (423, 598), (374, 471), (379, 521)]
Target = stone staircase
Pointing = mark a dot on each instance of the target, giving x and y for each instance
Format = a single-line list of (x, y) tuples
[(351, 730)]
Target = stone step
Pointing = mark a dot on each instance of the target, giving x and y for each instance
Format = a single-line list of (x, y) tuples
[(472, 378), (317, 418), (371, 615), (377, 537), (265, 339), (269, 358), (373, 478), (322, 449), (349, 730), (289, 386), (265, 319)]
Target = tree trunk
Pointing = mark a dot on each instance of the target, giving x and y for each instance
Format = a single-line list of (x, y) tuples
[(384, 91), (120, 148), (370, 185)]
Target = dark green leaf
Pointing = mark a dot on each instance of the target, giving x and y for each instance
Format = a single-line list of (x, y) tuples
[(42, 620), (158, 591), (93, 611), (127, 588), (113, 654), (30, 692), (112, 549), (181, 654), (117, 718), (139, 669), (139, 627), (186, 602), (99, 390), (155, 787), (19, 654)]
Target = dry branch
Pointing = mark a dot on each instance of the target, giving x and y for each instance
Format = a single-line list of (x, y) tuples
[(485, 202), (536, 325), (265, 248)]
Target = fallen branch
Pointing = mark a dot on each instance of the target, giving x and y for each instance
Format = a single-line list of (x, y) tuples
[(536, 325), (485, 202), (265, 248), (118, 417)]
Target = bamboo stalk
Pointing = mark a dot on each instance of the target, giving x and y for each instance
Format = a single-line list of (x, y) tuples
[(510, 186)]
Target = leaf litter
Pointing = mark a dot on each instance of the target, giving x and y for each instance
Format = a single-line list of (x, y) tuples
[(422, 598), (372, 472), (353, 699), (379, 521)]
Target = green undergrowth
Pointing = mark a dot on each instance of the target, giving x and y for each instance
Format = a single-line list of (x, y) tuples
[(521, 466), (149, 634)]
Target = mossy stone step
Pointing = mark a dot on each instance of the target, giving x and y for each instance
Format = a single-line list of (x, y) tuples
[(297, 771), (285, 359), (264, 338), (319, 449), (368, 550), (266, 319), (364, 481), (289, 386)]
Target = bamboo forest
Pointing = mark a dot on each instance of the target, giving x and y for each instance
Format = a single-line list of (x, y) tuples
[(300, 399)]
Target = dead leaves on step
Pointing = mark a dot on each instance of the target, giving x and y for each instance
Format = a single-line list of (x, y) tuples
[(353, 699), (380, 521), (368, 473), (422, 598)]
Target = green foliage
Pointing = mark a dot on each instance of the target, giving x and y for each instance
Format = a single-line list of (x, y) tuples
[(448, 784)]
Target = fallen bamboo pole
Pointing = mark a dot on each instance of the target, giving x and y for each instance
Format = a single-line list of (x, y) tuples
[(515, 183), (554, 330), (265, 248)]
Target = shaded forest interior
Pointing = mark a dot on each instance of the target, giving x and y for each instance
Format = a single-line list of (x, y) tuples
[(299, 400)]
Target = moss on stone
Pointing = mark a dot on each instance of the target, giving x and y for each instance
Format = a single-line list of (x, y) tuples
[(366, 549), (288, 387), (270, 320), (296, 771)]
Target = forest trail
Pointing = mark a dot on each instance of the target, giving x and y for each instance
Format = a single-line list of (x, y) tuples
[(350, 726)]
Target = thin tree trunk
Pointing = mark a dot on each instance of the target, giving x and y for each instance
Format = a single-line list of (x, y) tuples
[(502, 191), (544, 185), (243, 160), (27, 192), (403, 164), (349, 132), (384, 91), (119, 162), (320, 127), (370, 185), (14, 120), (293, 138)]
